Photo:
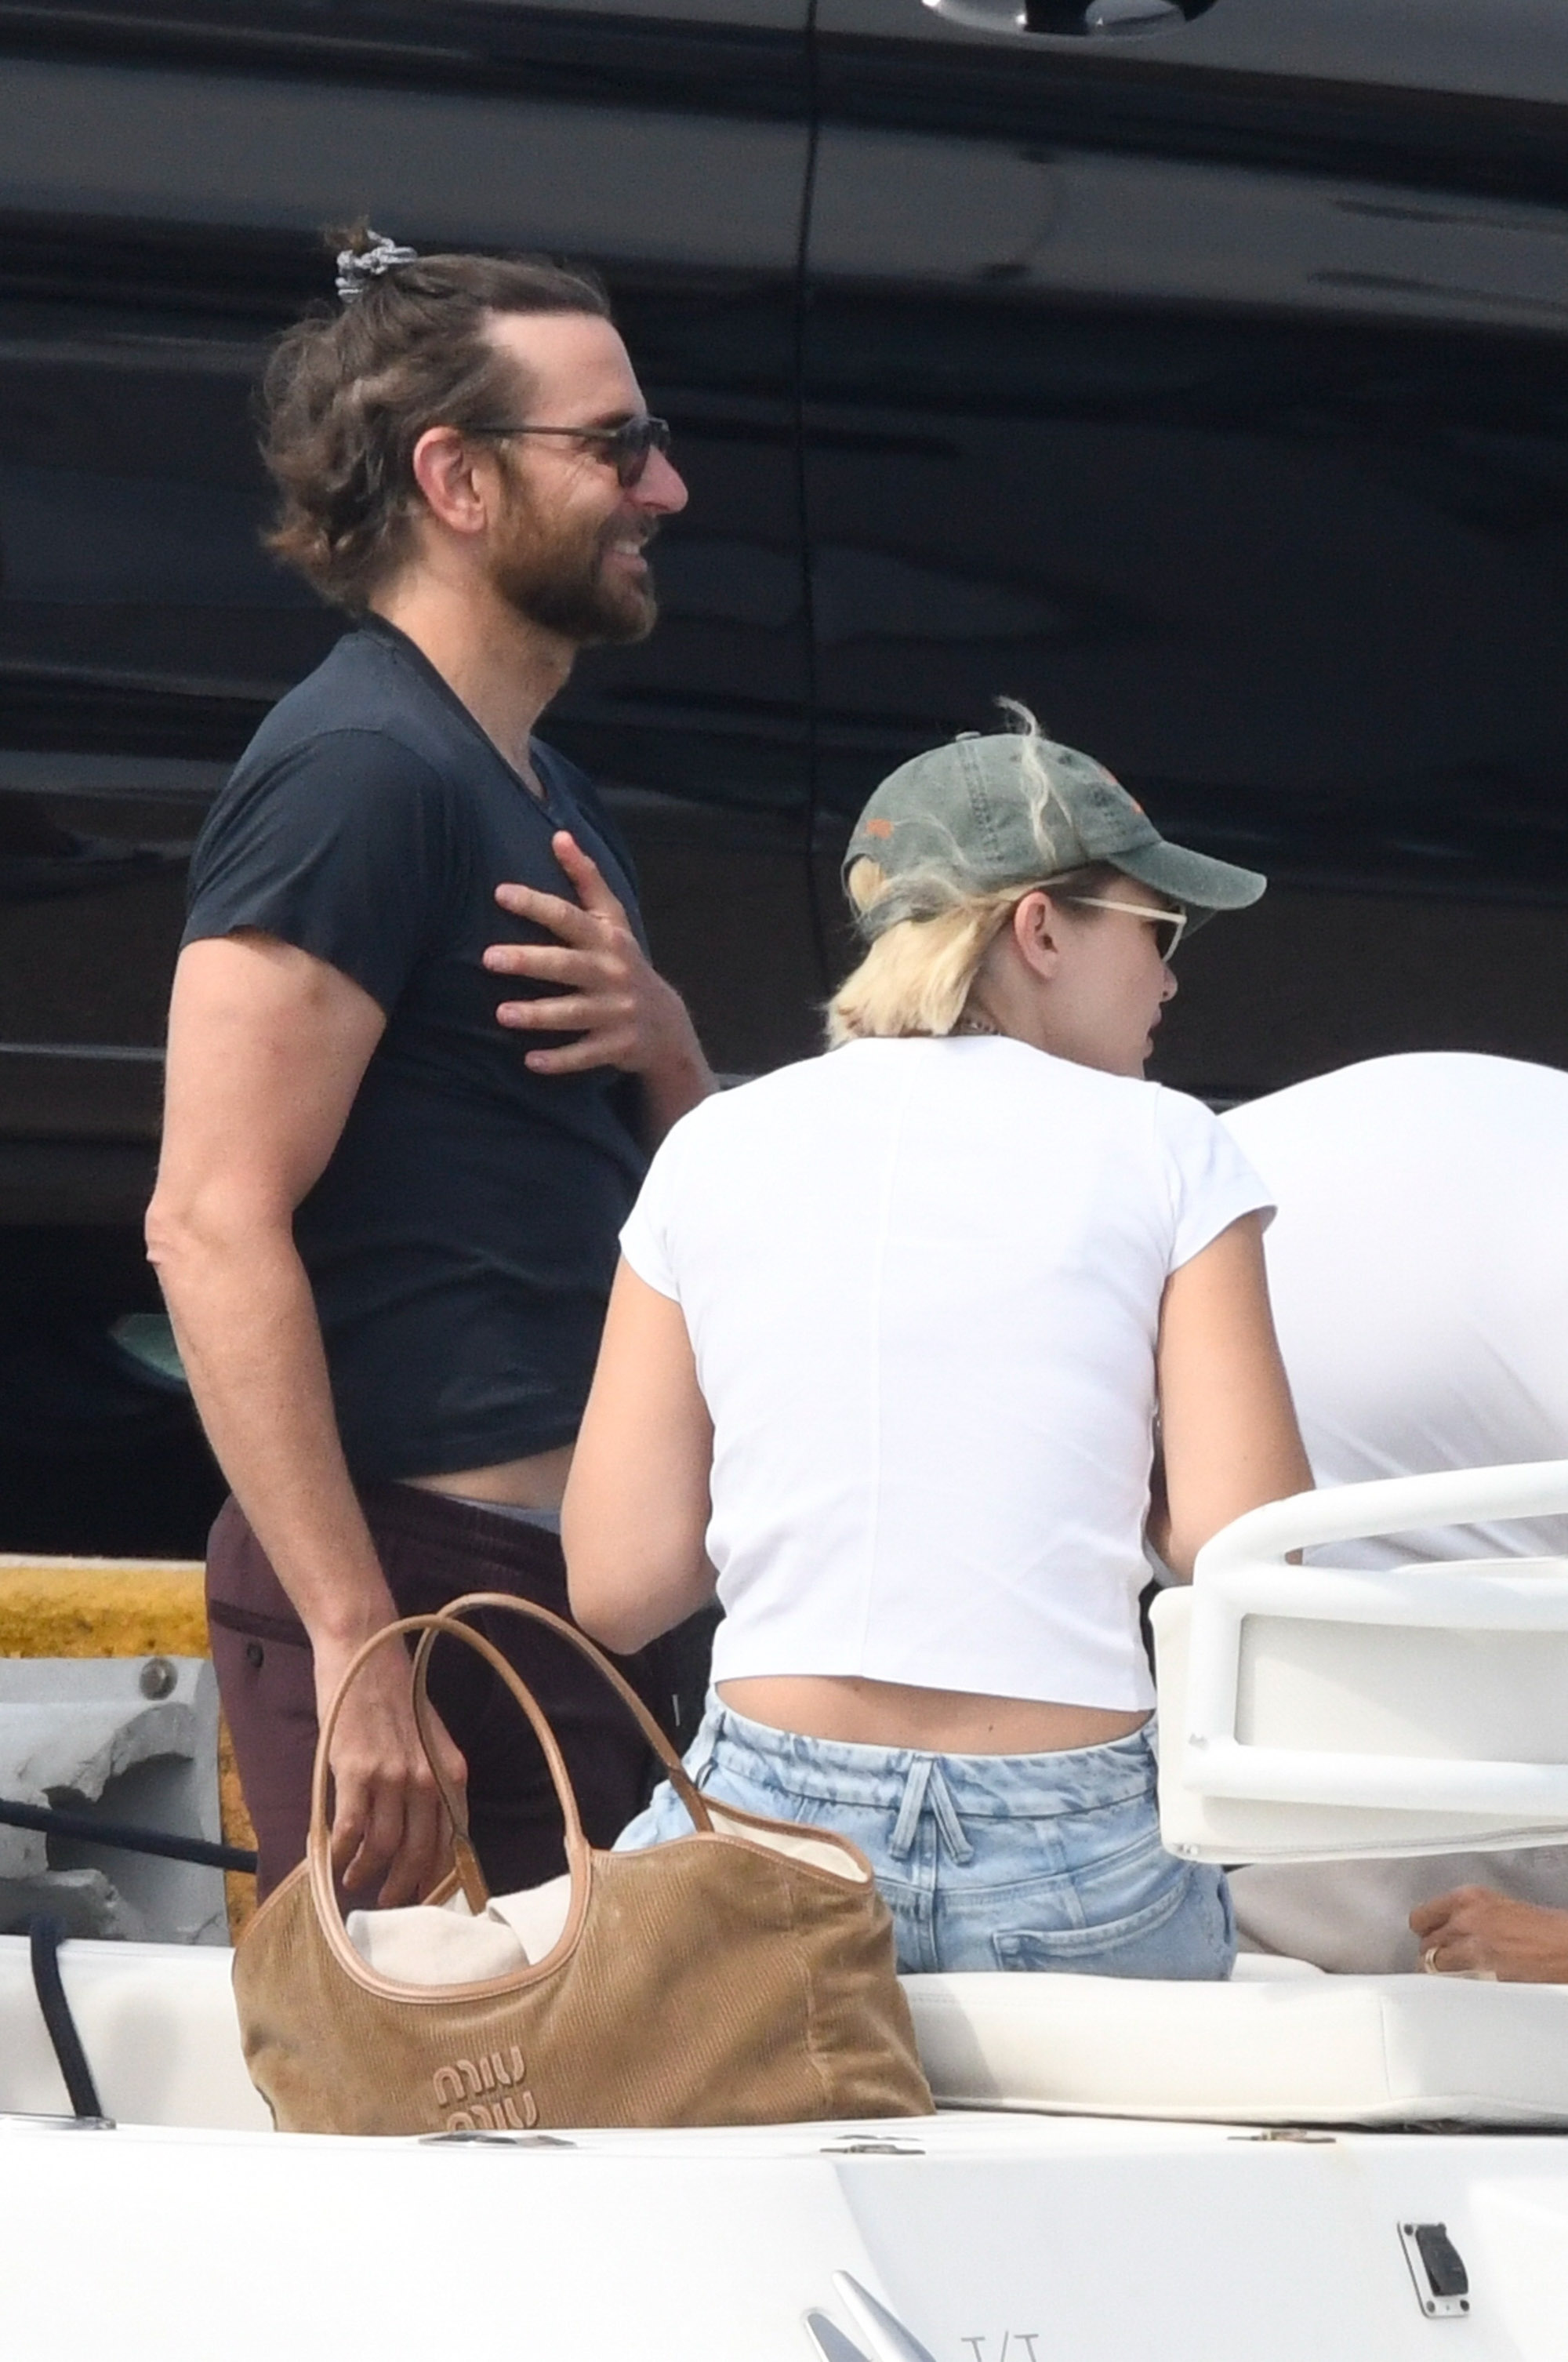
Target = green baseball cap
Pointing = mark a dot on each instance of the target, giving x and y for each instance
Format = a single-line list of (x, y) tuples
[(1015, 809)]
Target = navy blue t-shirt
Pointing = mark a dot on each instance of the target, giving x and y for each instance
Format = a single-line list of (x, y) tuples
[(462, 1239)]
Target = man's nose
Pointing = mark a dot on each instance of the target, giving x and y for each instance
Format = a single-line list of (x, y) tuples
[(660, 488), (1169, 990)]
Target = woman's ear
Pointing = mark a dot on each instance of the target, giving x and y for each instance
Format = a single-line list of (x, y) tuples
[(1036, 930)]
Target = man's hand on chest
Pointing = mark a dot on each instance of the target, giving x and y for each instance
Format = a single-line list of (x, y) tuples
[(605, 989)]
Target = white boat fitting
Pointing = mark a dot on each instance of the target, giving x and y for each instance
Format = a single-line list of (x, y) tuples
[(122, 1738), (1286, 2168)]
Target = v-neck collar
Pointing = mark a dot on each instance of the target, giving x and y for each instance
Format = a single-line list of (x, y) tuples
[(409, 651)]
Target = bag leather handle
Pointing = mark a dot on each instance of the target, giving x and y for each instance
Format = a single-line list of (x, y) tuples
[(318, 1843), (472, 1601), (464, 1860), (318, 1849), (318, 1853)]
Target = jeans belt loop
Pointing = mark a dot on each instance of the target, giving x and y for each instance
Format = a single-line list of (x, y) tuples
[(949, 1826), (698, 1756), (902, 1839)]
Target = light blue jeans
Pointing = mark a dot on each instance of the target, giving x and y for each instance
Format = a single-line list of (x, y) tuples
[(988, 1861)]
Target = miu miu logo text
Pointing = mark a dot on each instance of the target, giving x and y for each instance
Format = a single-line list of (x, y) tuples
[(509, 2104)]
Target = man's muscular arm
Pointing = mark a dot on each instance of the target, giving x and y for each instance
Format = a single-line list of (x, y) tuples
[(267, 1048)]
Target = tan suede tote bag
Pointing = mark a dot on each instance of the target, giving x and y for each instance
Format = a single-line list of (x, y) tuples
[(744, 1975)]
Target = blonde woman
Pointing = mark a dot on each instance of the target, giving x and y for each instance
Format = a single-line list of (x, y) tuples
[(894, 1337)]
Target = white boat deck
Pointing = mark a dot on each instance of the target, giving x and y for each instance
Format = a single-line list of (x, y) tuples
[(992, 2238)]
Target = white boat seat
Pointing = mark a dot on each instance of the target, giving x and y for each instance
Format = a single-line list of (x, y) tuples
[(1282, 2044), (158, 2025), (1317, 1712), (1289, 2046)]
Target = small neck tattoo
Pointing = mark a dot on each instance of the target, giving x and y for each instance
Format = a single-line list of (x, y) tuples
[(971, 1023)]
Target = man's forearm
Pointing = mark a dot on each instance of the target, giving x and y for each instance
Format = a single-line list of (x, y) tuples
[(247, 1332)]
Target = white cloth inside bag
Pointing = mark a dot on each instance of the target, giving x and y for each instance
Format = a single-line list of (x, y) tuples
[(443, 1944)]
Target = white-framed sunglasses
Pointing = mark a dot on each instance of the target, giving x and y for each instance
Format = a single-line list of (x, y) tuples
[(1175, 919)]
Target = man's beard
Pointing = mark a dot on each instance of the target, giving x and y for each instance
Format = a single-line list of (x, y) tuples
[(560, 578)]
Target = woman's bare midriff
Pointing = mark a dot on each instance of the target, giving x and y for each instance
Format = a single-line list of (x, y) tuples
[(534, 1483), (936, 1722)]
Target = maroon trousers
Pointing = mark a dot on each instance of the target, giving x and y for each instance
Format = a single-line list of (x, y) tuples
[(432, 1551)]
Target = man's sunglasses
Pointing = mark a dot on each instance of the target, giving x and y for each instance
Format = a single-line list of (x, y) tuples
[(626, 447)]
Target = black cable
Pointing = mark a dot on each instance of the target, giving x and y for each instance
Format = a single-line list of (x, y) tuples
[(44, 1935), (119, 1838)]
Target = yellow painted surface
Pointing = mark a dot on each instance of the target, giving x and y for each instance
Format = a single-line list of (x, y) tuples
[(123, 1607), (102, 1608)]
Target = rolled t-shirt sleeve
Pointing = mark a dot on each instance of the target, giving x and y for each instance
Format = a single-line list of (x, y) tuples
[(1211, 1184), (342, 847)]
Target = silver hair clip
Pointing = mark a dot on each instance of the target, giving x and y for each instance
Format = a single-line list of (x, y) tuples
[(355, 272)]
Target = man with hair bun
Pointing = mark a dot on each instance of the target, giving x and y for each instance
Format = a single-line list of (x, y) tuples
[(418, 1057)]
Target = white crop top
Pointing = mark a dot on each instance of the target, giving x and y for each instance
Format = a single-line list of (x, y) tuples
[(922, 1283)]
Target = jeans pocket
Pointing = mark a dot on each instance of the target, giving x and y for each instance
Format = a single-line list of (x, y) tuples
[(1183, 1931)]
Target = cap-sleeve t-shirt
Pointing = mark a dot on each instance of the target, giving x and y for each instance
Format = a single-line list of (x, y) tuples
[(461, 1239), (922, 1282)]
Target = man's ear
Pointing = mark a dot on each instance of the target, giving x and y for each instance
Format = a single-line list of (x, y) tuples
[(1036, 929), (457, 485)]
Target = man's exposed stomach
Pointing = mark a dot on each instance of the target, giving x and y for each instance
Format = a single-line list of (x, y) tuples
[(537, 1482)]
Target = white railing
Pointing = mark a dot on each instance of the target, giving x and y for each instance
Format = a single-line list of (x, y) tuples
[(1242, 1572)]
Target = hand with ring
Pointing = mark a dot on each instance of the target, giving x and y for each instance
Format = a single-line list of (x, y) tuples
[(1473, 1932)]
